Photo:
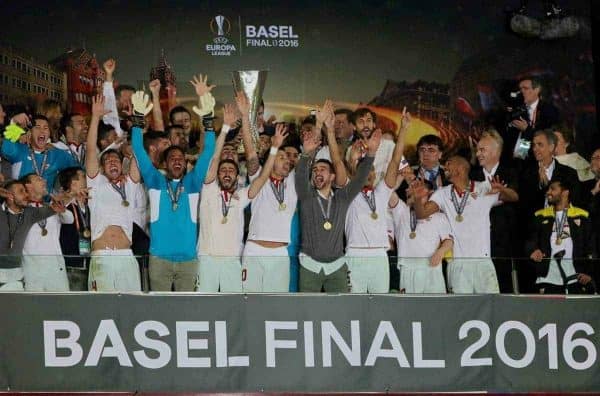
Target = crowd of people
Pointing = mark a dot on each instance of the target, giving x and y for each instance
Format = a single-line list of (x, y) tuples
[(329, 205)]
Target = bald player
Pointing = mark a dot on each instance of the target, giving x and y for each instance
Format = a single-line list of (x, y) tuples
[(466, 204)]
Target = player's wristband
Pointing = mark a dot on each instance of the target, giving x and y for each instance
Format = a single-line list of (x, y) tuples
[(273, 150), (225, 128)]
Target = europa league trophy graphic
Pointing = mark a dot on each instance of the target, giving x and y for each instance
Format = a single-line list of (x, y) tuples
[(252, 83), (219, 19)]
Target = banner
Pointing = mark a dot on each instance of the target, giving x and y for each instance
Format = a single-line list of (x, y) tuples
[(296, 343)]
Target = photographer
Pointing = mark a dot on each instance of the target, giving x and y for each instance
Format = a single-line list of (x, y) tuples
[(533, 114)]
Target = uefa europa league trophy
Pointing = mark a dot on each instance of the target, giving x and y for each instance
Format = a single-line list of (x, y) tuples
[(252, 83)]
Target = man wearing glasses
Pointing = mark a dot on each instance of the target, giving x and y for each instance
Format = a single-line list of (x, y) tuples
[(430, 149)]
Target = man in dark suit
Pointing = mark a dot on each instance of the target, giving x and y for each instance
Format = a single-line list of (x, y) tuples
[(533, 185), (590, 192), (503, 216), (536, 114), (430, 149)]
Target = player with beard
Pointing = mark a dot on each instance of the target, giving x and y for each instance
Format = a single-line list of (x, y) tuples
[(43, 262), (366, 226), (560, 243), (222, 213), (466, 204), (323, 213), (364, 121), (265, 262), (173, 207), (16, 220), (113, 266), (38, 156), (74, 131)]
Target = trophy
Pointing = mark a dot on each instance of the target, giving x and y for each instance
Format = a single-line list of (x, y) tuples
[(252, 83)]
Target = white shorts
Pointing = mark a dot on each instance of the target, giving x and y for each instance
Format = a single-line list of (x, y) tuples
[(417, 276), (468, 276), (11, 279), (265, 269), (219, 273), (114, 270), (45, 274), (369, 270)]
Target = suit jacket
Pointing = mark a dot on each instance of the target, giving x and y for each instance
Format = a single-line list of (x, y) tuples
[(546, 116), (532, 195), (579, 225), (401, 191), (592, 205), (503, 218)]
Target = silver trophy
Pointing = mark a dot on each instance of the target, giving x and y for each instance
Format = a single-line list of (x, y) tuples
[(252, 83)]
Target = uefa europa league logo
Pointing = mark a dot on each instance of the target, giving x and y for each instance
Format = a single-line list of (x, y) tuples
[(223, 26)]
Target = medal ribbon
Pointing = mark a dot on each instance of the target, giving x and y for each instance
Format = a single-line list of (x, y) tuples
[(38, 171), (41, 223), (278, 190), (325, 214), (559, 224), (120, 189), (225, 202), (460, 207), (370, 198), (80, 215), (174, 195), (413, 220)]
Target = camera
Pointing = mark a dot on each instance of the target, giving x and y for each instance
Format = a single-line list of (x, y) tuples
[(518, 112)]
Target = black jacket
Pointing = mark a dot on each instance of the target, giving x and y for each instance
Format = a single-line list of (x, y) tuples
[(579, 225), (532, 195), (546, 116), (401, 191)]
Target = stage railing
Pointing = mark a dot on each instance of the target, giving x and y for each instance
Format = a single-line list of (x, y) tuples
[(515, 275)]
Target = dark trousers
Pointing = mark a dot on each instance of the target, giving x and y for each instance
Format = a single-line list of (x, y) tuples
[(313, 282)]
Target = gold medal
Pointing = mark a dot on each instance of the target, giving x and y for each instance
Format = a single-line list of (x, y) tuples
[(374, 215), (44, 232), (125, 203), (459, 218), (412, 235), (224, 220), (282, 206), (174, 206), (87, 233), (327, 226), (558, 241)]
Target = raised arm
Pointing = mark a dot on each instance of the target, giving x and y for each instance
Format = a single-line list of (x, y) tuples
[(309, 148), (391, 174), (228, 120), (423, 207), (507, 194), (91, 149), (326, 116), (141, 107), (252, 162), (364, 167), (110, 101), (157, 116), (276, 142)]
